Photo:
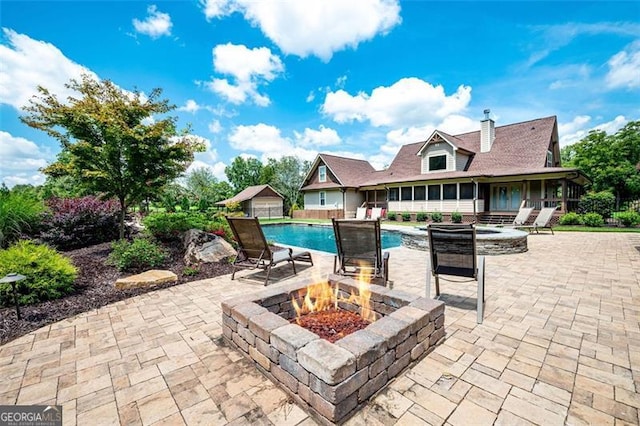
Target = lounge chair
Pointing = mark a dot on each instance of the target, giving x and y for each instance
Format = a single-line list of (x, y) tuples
[(253, 250), (453, 251), (376, 213), (522, 217), (361, 213), (542, 221), (359, 249)]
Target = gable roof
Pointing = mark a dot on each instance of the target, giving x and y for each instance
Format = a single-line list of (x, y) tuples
[(454, 141), (251, 192), (349, 172)]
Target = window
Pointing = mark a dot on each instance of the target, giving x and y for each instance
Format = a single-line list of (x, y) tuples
[(434, 192), (322, 173), (466, 191), (449, 191), (323, 198), (394, 194), (406, 193), (438, 162), (419, 193), (549, 159)]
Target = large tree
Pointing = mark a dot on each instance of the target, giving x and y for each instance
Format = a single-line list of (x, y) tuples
[(119, 144), (244, 172), (288, 174), (204, 186), (611, 161)]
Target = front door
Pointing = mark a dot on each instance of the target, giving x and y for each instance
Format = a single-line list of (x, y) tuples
[(506, 197)]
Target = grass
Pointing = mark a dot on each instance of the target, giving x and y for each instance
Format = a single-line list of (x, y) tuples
[(579, 228)]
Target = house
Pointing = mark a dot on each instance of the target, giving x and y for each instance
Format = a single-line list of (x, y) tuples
[(492, 171), (258, 201)]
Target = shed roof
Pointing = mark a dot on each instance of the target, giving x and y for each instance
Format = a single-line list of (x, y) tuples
[(251, 192)]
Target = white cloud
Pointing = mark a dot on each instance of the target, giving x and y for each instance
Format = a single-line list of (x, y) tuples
[(217, 169), (341, 81), (260, 137), (624, 68), (580, 127), (311, 96), (248, 68), (215, 126), (26, 63), (155, 25), (324, 136), (313, 27), (190, 106), (408, 102), (20, 160)]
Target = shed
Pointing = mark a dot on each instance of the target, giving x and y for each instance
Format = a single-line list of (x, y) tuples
[(258, 201)]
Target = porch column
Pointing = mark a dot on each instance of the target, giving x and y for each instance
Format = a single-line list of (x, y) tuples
[(563, 205)]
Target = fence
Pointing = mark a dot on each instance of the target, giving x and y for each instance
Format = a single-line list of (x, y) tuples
[(267, 212)]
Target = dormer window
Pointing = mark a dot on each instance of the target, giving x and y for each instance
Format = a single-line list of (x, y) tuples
[(322, 173), (549, 159), (437, 162)]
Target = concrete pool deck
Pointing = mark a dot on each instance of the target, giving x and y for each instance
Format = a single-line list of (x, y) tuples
[(560, 344)]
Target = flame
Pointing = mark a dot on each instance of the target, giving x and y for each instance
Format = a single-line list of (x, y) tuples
[(322, 297)]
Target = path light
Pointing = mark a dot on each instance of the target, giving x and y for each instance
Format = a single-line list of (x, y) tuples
[(12, 279)]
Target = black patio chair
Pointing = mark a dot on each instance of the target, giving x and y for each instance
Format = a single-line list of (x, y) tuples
[(453, 252), (359, 249), (255, 253)]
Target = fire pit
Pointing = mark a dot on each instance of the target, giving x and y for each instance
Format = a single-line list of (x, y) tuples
[(332, 372)]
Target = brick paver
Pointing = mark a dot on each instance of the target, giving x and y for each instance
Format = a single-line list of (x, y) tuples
[(560, 344)]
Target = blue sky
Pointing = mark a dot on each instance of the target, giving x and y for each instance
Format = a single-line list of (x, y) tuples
[(355, 78)]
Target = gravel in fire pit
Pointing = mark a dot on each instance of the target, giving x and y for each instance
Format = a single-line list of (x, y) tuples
[(332, 325)]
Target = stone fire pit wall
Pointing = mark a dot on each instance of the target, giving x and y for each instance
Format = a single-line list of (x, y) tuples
[(332, 380)]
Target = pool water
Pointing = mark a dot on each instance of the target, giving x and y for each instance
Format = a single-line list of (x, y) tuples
[(317, 237)]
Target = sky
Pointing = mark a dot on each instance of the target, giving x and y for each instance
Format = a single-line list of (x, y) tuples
[(356, 78)]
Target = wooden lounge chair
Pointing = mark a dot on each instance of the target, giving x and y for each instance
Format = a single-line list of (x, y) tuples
[(453, 251), (359, 249), (542, 221), (253, 250)]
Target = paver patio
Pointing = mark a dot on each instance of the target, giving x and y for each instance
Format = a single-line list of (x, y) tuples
[(560, 344)]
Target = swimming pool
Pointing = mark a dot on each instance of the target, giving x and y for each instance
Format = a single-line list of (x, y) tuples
[(317, 237)]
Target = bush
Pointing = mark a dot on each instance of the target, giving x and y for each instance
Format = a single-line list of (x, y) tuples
[(139, 254), (220, 228), (456, 217), (571, 218), (49, 274), (421, 217), (597, 202), (406, 216), (233, 206), (629, 218), (167, 226), (593, 220), (436, 217), (391, 215), (293, 208), (20, 214), (80, 222)]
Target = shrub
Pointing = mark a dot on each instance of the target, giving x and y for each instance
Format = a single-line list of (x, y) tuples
[(421, 217), (233, 206), (166, 226), (185, 205), (49, 274), (391, 215), (20, 214), (203, 205), (406, 216), (293, 208), (139, 254), (592, 219), (80, 222), (436, 217), (597, 202), (220, 228), (571, 218), (629, 218), (456, 217)]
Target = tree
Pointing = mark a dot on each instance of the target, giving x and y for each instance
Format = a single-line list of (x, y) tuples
[(243, 173), (288, 175), (612, 162), (114, 147)]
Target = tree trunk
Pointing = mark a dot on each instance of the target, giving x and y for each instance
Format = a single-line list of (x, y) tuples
[(123, 209)]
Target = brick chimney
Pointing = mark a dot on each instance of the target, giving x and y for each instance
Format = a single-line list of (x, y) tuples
[(487, 132)]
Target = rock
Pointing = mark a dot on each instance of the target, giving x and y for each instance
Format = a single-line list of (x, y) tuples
[(205, 247), (145, 279)]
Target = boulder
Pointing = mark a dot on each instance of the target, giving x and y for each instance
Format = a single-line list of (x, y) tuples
[(205, 247), (145, 279)]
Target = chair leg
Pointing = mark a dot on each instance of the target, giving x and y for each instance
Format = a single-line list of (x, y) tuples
[(266, 280), (437, 286), (480, 289), (428, 282)]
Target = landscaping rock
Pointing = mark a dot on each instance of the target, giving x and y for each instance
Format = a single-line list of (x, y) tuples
[(204, 247), (145, 279)]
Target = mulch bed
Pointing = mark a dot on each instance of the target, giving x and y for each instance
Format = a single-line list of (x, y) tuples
[(94, 287)]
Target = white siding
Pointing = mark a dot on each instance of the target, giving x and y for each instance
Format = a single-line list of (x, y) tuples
[(461, 161), (443, 206), (333, 200), (353, 200), (435, 149)]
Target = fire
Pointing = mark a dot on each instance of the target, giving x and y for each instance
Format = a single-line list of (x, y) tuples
[(322, 297)]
